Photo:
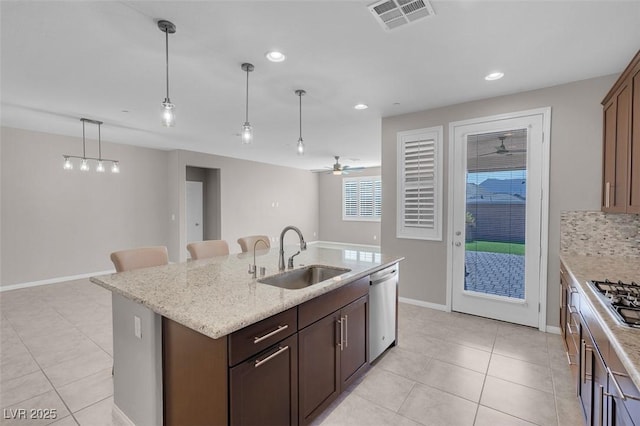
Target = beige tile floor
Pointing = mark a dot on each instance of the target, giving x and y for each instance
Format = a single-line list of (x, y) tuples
[(449, 369)]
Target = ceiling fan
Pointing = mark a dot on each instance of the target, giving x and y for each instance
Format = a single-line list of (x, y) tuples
[(502, 149), (339, 169)]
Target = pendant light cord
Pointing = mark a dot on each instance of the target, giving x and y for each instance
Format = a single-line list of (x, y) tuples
[(84, 150), (166, 35), (300, 96), (99, 145), (247, 99)]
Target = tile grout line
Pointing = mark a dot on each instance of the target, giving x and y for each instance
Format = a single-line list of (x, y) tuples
[(46, 377)]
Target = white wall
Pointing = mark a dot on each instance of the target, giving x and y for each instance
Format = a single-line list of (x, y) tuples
[(332, 227), (58, 223), (576, 173)]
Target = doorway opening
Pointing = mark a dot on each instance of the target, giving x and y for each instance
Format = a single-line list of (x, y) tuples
[(203, 205)]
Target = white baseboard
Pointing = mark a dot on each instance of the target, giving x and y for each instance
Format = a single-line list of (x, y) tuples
[(423, 304), (553, 329), (335, 243), (54, 280), (122, 416)]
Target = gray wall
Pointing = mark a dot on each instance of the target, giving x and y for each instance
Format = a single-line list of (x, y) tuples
[(332, 227), (58, 223), (256, 198), (576, 173)]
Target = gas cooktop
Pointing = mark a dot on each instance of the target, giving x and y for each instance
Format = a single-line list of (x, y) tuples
[(623, 298)]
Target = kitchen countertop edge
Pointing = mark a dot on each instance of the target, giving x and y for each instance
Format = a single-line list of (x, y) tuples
[(215, 330), (622, 338)]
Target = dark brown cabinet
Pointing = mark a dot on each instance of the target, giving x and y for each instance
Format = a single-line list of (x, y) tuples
[(621, 147), (607, 395), (333, 346), (264, 389), (319, 366), (569, 321), (283, 370), (354, 350)]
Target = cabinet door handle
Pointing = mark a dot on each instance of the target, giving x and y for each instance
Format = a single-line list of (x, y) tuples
[(622, 395), (572, 309), (340, 334), (569, 359), (607, 194), (585, 348), (346, 331), (273, 333), (569, 329), (259, 362)]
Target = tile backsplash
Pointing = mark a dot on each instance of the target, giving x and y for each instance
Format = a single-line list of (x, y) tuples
[(600, 234)]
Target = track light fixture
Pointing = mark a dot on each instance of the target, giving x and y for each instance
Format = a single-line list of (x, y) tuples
[(168, 109), (84, 164), (247, 130), (300, 145)]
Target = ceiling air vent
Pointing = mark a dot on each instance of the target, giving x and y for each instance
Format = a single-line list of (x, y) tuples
[(392, 14)]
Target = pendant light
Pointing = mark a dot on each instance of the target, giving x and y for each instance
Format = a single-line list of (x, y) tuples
[(168, 109), (84, 164), (300, 145), (247, 130)]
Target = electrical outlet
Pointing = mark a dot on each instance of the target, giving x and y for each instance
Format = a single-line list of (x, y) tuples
[(137, 329)]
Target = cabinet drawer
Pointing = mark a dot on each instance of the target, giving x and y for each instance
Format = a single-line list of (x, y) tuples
[(315, 309), (259, 336)]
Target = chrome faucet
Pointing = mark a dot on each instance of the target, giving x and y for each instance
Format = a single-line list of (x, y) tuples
[(303, 246), (253, 270)]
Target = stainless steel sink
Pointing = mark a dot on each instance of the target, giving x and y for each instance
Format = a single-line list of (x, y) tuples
[(303, 277)]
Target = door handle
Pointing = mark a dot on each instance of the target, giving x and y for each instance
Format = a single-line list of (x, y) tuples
[(458, 244), (197, 224)]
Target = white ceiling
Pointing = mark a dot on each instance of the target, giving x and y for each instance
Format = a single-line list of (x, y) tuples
[(66, 60)]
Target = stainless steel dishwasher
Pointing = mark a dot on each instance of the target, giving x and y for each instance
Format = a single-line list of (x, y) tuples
[(382, 310)]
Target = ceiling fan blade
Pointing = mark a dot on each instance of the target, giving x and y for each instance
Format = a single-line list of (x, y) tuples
[(489, 153), (517, 150)]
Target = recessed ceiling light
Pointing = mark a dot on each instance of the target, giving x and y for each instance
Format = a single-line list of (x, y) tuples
[(361, 106), (494, 76), (275, 56)]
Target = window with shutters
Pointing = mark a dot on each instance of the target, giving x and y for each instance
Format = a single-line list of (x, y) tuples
[(362, 198), (420, 184)]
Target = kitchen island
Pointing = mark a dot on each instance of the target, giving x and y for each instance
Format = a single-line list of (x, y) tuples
[(172, 320)]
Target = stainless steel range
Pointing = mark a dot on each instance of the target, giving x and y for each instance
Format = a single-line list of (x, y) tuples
[(623, 298)]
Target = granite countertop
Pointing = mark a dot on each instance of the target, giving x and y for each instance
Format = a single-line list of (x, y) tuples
[(217, 296), (624, 340)]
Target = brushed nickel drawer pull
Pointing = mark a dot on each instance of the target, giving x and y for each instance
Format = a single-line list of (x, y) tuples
[(340, 336), (259, 362), (572, 309), (569, 329), (273, 333), (573, 290), (569, 359), (346, 331), (607, 195), (623, 396)]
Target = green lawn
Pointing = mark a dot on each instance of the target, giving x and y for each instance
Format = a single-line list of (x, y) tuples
[(495, 247)]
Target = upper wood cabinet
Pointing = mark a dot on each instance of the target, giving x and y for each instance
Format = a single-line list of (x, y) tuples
[(621, 134)]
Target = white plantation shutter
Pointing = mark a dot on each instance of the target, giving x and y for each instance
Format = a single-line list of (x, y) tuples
[(362, 198), (420, 184)]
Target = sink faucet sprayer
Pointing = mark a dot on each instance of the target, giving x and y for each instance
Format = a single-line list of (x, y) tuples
[(303, 246)]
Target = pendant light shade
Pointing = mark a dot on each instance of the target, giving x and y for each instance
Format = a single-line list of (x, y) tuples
[(84, 164), (247, 131), (168, 109), (300, 145)]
